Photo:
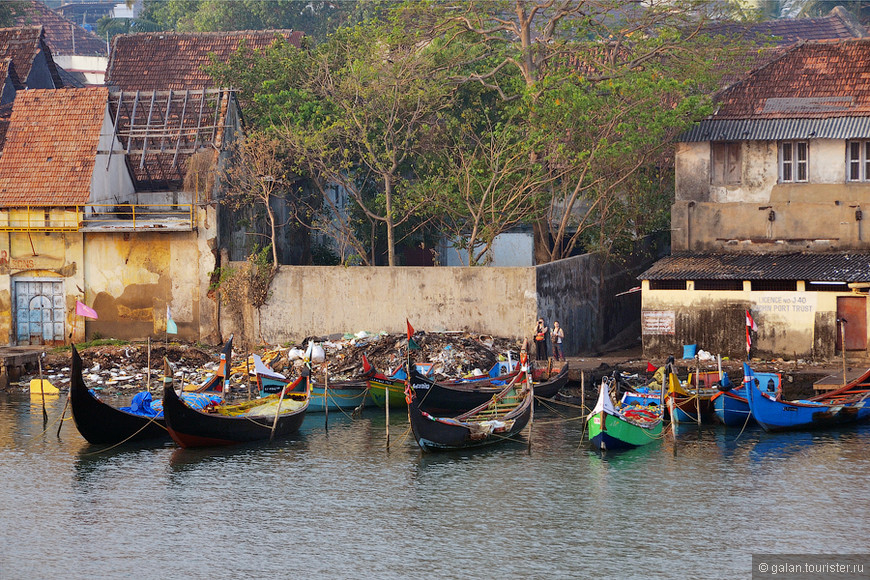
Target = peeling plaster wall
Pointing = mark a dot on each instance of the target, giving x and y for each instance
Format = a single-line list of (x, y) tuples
[(791, 325), (708, 217), (321, 300), (37, 256), (132, 277)]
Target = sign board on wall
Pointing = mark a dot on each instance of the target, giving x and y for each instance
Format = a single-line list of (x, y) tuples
[(658, 322)]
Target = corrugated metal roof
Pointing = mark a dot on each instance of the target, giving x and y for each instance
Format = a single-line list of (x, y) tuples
[(828, 267), (776, 129)]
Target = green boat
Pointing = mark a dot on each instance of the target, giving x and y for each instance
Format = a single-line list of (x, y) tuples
[(380, 386), (625, 427)]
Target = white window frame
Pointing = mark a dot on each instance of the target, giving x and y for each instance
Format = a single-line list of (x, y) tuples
[(793, 168), (858, 166)]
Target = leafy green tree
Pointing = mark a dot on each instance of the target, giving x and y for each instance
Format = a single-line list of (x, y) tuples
[(605, 86)]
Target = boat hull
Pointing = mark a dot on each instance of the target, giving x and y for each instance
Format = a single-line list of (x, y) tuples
[(777, 415), (731, 408), (444, 434), (379, 389), (191, 428), (100, 423), (609, 432), (346, 396)]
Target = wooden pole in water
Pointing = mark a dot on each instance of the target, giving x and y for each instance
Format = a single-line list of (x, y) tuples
[(277, 413), (148, 378), (698, 388), (62, 415), (42, 390), (843, 346), (325, 395), (583, 391), (248, 375)]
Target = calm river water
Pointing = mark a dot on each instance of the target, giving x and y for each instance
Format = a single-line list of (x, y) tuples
[(334, 504)]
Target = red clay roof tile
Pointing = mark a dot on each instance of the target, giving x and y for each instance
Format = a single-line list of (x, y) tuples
[(51, 146), (811, 80), (62, 36), (163, 60)]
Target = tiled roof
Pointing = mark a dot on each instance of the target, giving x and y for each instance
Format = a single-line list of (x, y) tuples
[(51, 146), (62, 35), (161, 60), (837, 25), (22, 45), (829, 267), (812, 80)]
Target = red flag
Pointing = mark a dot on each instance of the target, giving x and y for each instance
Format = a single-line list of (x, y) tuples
[(85, 311), (367, 366), (650, 368), (749, 322), (410, 329)]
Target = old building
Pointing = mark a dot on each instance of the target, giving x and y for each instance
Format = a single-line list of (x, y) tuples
[(768, 214), (92, 209)]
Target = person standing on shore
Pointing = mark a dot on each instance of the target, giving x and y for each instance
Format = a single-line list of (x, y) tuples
[(541, 332), (557, 335)]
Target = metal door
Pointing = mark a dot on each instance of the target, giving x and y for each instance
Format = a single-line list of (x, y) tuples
[(39, 311), (852, 309)]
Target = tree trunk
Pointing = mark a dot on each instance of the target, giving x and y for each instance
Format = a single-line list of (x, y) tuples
[(541, 231)]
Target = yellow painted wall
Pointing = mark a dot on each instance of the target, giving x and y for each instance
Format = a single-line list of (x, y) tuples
[(790, 324), (56, 256), (132, 277)]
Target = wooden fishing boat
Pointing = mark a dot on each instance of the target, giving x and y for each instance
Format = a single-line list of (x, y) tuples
[(102, 424), (447, 396), (613, 427), (277, 415), (730, 406), (848, 404), (683, 404), (502, 417), (335, 395)]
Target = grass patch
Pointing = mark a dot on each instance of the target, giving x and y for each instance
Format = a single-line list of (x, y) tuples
[(95, 342)]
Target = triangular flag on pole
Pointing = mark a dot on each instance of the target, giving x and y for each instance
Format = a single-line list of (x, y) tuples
[(86, 311), (410, 329), (650, 368), (171, 327), (750, 322)]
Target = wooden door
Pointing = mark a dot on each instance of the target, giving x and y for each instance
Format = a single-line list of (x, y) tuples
[(39, 311), (852, 310)]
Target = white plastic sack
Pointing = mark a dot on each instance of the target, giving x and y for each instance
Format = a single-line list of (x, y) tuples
[(295, 354), (315, 353), (704, 355)]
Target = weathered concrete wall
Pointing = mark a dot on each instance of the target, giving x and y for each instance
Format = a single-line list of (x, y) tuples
[(320, 300), (790, 324), (581, 293), (40, 257), (708, 217), (132, 277)]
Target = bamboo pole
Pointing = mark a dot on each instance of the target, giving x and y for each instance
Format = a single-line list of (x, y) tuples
[(42, 391), (698, 388), (277, 413), (63, 414), (583, 391), (325, 395), (248, 375), (843, 346), (148, 378)]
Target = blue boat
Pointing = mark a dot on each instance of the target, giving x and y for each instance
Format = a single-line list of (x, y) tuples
[(849, 404), (730, 405), (335, 395)]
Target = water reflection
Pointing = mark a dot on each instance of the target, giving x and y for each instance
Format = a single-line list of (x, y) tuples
[(398, 513)]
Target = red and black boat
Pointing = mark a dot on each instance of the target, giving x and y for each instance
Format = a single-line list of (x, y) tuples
[(277, 415), (102, 424)]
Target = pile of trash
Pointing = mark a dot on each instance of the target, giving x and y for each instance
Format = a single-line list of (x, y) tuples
[(453, 353), (125, 367)]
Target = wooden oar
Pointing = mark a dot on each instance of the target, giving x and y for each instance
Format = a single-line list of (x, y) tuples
[(277, 412)]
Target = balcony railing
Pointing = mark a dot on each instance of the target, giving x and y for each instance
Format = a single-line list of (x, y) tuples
[(93, 217)]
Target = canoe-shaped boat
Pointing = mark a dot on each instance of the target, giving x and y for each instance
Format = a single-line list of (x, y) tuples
[(730, 406), (334, 395), (277, 415), (849, 404), (446, 396), (102, 424), (623, 427), (502, 417)]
